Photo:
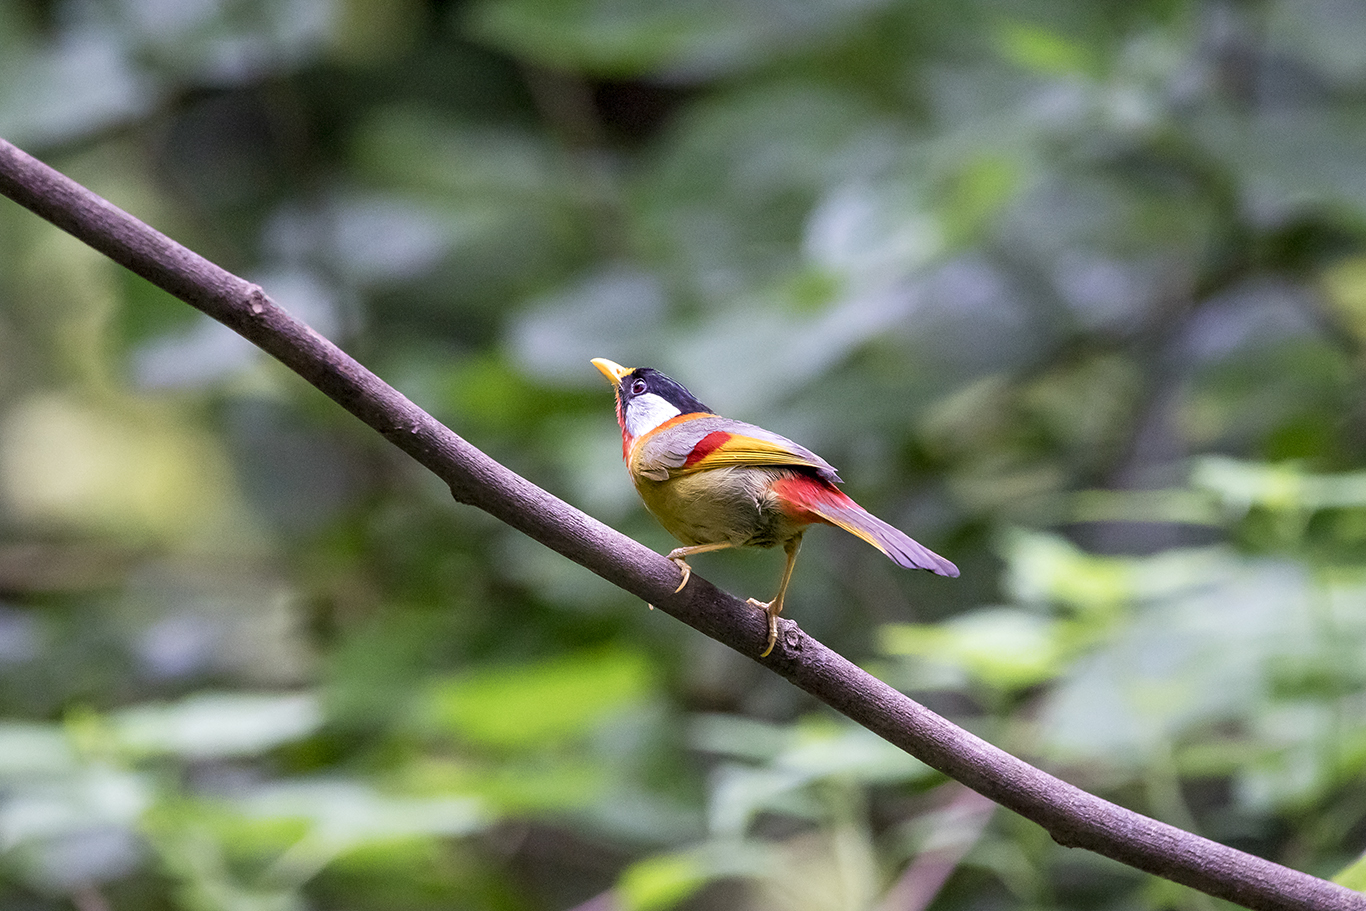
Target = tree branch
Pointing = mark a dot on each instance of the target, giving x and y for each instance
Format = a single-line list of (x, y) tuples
[(1072, 816)]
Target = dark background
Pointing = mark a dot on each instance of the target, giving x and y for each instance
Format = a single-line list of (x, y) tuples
[(1073, 292)]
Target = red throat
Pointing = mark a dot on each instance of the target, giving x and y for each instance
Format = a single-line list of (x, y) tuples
[(625, 437)]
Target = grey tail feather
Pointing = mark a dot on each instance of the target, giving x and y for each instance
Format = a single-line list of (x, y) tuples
[(910, 553), (901, 548)]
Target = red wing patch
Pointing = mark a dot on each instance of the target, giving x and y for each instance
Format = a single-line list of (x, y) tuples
[(705, 447)]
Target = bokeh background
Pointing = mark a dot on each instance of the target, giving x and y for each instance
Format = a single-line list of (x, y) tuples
[(1073, 291)]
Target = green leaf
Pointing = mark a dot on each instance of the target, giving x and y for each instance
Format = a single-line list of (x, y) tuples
[(1048, 568), (632, 37), (661, 882), (818, 750), (664, 880), (1279, 487), (218, 725), (1344, 292), (1353, 876), (1004, 648), (1046, 51), (534, 705), (35, 750), (350, 812)]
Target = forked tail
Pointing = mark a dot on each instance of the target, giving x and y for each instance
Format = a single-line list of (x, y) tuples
[(828, 503)]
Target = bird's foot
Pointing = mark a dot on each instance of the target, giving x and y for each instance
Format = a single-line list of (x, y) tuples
[(768, 608), (678, 557), (683, 567)]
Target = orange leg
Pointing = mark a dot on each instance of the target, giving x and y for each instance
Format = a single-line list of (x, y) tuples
[(775, 607), (680, 554)]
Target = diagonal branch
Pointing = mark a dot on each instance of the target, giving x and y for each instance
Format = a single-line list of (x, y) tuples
[(1072, 816)]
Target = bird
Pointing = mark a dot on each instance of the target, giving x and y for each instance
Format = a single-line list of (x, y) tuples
[(716, 483)]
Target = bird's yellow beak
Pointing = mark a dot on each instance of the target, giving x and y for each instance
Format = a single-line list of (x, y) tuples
[(611, 369)]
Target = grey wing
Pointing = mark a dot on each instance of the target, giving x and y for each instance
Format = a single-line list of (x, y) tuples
[(745, 444)]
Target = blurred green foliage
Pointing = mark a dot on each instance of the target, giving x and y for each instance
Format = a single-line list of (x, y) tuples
[(1074, 292)]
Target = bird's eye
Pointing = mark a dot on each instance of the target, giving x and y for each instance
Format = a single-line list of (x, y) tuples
[(638, 387)]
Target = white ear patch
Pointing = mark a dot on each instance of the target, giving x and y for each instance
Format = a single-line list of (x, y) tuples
[(646, 412)]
